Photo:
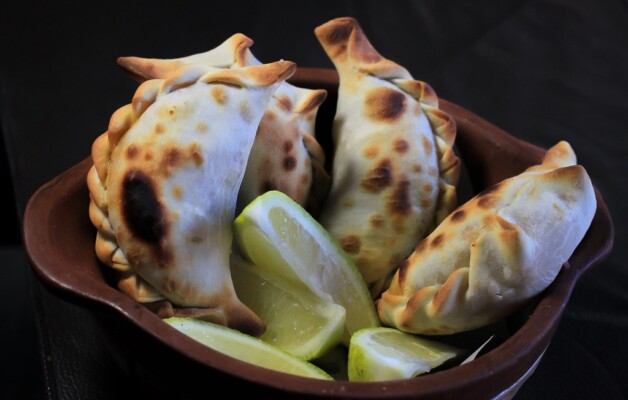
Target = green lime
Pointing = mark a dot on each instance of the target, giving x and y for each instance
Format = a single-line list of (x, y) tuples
[(279, 236), (382, 354), (245, 347), (297, 321)]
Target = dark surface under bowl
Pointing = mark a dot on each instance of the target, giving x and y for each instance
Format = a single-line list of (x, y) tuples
[(59, 242)]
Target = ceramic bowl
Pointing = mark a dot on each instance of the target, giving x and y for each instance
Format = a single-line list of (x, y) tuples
[(59, 241)]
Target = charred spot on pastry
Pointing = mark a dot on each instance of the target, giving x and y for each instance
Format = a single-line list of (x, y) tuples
[(285, 103), (131, 152), (219, 94), (287, 146), (437, 241), (428, 187), (385, 104), (177, 192), (486, 200), (195, 153), (427, 145), (458, 216), (159, 128), (401, 146), (351, 244), (171, 158), (143, 212), (399, 200), (379, 177), (289, 163), (339, 34), (376, 220)]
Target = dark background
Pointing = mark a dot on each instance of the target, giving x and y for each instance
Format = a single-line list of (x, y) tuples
[(543, 70)]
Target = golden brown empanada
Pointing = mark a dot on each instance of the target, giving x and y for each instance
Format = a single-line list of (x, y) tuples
[(495, 252), (164, 184), (285, 155), (394, 170)]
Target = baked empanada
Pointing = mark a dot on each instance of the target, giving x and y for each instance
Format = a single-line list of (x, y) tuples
[(394, 171), (495, 252), (286, 155), (164, 185)]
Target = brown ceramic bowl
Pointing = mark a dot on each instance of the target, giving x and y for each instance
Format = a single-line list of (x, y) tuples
[(59, 241)]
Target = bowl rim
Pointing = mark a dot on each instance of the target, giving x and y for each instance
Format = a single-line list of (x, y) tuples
[(510, 360)]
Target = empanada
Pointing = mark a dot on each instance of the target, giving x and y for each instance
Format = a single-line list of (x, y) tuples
[(495, 252), (394, 171), (164, 184), (286, 155)]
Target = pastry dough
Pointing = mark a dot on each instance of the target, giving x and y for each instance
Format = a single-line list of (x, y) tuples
[(164, 184), (394, 172), (495, 252), (286, 155)]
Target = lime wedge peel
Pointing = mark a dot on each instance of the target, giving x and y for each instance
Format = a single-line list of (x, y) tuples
[(278, 235), (296, 321), (382, 354), (245, 347)]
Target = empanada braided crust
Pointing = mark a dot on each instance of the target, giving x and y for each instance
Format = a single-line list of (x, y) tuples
[(164, 185)]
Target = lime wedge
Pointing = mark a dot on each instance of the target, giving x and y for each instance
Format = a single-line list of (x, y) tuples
[(279, 236), (382, 354), (246, 348), (297, 321)]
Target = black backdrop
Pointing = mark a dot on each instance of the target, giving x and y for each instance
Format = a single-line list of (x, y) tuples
[(542, 70)]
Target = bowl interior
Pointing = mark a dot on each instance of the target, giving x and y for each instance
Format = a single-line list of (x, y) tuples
[(59, 241)]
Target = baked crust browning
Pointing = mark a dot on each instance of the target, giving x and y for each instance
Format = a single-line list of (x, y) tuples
[(393, 155), (495, 252), (288, 123), (164, 185)]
